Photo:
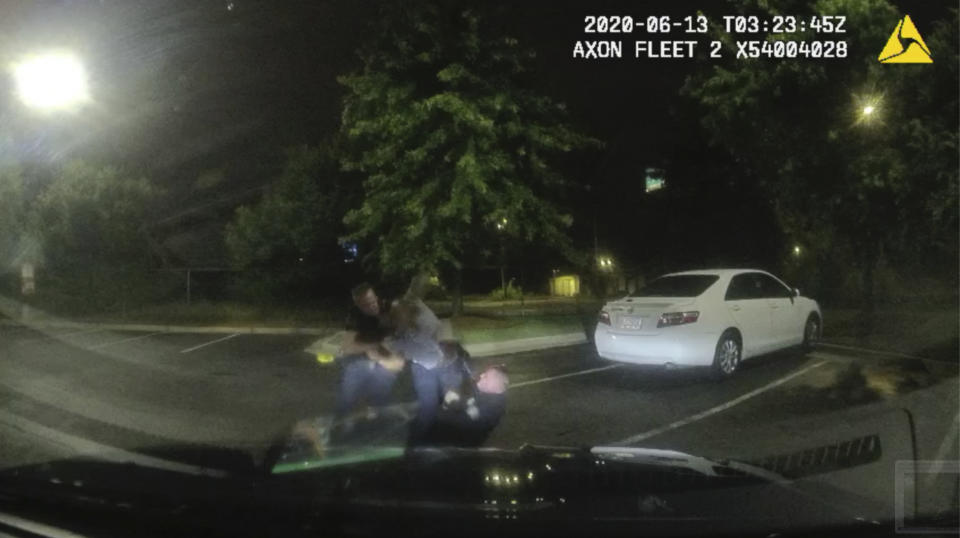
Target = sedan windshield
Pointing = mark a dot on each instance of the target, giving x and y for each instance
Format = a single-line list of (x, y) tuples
[(677, 286)]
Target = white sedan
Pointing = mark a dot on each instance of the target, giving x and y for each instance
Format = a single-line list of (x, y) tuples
[(716, 318)]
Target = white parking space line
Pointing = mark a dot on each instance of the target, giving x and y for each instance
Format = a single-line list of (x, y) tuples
[(32, 528), (113, 342), (210, 343), (870, 351), (57, 336), (110, 453), (572, 374), (949, 442), (714, 410), (76, 333)]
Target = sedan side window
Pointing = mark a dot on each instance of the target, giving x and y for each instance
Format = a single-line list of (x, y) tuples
[(744, 286), (773, 289)]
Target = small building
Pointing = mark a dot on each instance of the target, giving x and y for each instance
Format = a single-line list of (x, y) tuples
[(565, 285)]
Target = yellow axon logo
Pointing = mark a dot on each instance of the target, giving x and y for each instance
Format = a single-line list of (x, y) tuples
[(905, 46)]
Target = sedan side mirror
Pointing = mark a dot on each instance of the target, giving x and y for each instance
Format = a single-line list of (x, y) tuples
[(796, 292)]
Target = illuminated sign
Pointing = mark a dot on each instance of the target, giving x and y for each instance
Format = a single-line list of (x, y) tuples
[(655, 179)]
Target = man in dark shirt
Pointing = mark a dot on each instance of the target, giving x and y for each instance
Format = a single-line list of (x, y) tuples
[(369, 371)]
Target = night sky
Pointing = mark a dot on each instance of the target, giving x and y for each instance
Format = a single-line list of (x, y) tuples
[(185, 86)]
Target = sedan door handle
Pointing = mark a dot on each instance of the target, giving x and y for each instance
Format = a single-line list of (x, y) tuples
[(735, 308)]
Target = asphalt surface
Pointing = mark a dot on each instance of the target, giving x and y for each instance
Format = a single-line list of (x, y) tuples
[(219, 401)]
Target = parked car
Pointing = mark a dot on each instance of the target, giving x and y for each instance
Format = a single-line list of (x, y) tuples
[(715, 317)]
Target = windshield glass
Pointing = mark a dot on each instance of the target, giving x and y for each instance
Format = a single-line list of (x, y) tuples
[(311, 238), (677, 286)]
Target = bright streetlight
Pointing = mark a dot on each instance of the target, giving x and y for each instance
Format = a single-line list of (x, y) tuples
[(51, 82), (868, 108)]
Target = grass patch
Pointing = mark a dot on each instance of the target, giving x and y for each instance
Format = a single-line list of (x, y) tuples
[(927, 332)]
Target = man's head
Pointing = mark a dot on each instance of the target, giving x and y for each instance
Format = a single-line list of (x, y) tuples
[(493, 380), (365, 298)]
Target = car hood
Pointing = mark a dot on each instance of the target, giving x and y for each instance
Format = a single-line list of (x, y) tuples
[(598, 490)]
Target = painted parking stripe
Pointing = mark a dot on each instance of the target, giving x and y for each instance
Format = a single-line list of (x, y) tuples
[(71, 333), (109, 453), (714, 410), (949, 442), (572, 374), (32, 528), (871, 351), (57, 336), (210, 343), (113, 342)]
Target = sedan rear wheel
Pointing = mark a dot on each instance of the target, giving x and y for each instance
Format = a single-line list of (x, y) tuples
[(726, 359), (811, 333)]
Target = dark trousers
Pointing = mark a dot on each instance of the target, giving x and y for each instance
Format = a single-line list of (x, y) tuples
[(426, 383), (362, 379)]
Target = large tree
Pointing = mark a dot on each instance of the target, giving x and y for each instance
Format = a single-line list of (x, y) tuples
[(845, 184), (458, 151), (90, 222), (289, 238)]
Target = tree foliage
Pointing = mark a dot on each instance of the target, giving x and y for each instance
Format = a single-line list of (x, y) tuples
[(291, 234), (442, 122), (13, 214), (842, 182), (91, 217), (88, 223)]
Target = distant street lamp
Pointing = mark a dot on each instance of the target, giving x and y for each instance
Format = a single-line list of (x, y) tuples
[(868, 109), (502, 225), (796, 250), (51, 82)]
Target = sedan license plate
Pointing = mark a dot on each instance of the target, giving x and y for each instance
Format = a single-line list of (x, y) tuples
[(630, 322)]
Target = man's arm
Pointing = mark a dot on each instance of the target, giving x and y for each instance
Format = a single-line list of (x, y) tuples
[(350, 346), (418, 287), (389, 360)]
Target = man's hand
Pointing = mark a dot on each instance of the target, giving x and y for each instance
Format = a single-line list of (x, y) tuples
[(393, 363), (390, 361), (350, 346)]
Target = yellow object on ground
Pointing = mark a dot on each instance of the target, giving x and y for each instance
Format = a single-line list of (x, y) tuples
[(324, 358)]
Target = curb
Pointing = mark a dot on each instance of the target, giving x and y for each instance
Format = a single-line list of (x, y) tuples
[(314, 331), (19, 315), (331, 344), (520, 345)]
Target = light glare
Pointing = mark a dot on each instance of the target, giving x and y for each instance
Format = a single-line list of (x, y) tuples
[(51, 82)]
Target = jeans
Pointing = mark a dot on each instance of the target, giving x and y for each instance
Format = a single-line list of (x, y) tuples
[(363, 378), (426, 383)]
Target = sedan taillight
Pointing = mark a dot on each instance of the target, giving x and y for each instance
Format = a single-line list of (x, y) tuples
[(604, 317), (670, 319)]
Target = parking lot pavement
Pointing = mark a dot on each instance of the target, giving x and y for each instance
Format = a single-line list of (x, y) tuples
[(142, 391), (139, 390)]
